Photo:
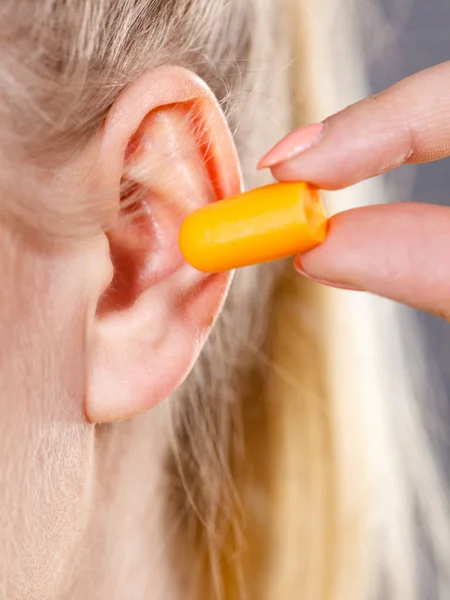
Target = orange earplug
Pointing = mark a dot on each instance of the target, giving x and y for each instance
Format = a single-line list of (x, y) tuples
[(268, 223)]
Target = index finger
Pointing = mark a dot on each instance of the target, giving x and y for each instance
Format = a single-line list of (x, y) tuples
[(407, 123)]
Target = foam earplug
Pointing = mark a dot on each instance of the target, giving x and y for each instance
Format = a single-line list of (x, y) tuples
[(265, 224)]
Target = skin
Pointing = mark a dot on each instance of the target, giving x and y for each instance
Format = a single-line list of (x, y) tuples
[(63, 345), (400, 251), (80, 322)]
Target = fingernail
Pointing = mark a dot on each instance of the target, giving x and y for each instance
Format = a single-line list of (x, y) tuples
[(336, 284), (294, 144)]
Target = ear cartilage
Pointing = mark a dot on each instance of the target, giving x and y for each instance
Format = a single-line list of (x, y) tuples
[(268, 223)]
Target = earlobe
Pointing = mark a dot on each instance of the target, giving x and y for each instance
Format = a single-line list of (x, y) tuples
[(154, 319)]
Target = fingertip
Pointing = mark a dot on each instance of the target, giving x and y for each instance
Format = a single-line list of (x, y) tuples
[(293, 145), (298, 265)]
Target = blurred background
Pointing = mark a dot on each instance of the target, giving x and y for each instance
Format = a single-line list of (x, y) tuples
[(400, 38), (415, 34)]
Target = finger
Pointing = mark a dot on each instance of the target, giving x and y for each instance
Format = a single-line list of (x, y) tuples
[(400, 251), (409, 122)]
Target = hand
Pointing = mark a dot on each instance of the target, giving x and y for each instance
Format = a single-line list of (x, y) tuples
[(400, 251)]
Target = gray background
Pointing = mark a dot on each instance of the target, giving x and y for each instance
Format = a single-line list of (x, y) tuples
[(402, 37), (411, 35)]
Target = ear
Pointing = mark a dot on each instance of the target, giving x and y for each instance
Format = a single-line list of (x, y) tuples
[(167, 141)]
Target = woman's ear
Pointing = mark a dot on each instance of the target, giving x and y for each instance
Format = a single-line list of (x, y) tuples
[(165, 150)]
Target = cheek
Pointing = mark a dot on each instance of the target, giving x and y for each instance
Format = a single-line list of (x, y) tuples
[(46, 446)]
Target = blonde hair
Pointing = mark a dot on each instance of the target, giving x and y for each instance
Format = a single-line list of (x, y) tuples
[(283, 455)]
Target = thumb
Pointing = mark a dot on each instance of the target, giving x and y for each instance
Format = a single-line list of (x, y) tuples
[(399, 251)]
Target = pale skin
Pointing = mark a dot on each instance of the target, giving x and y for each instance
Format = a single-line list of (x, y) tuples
[(66, 366)]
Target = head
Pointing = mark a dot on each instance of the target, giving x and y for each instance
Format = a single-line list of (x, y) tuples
[(115, 122)]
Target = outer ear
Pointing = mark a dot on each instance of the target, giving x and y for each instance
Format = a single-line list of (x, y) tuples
[(166, 137)]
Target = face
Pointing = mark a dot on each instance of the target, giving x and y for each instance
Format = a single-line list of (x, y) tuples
[(70, 354)]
